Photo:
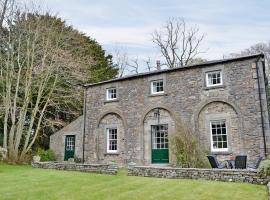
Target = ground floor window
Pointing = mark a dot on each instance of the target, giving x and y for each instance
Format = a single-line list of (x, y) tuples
[(219, 137), (112, 140)]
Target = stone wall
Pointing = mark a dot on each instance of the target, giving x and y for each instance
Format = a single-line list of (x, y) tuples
[(188, 100), (111, 121), (93, 168), (228, 175), (57, 140), (185, 99)]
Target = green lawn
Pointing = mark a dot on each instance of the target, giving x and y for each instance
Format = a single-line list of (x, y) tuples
[(24, 182)]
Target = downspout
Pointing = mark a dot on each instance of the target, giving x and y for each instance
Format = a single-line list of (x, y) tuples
[(84, 121), (261, 108)]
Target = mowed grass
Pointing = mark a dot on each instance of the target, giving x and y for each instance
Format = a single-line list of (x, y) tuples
[(24, 182)]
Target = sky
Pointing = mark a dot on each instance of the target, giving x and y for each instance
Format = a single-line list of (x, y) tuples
[(126, 25)]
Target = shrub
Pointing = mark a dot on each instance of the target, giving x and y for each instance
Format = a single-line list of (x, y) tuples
[(46, 155), (77, 159), (264, 168), (186, 149)]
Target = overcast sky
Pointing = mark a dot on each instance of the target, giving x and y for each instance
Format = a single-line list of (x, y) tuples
[(229, 25)]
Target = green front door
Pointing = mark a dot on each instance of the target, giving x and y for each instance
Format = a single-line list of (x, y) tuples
[(69, 147), (160, 150)]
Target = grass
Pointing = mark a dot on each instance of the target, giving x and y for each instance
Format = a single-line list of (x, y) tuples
[(24, 182)]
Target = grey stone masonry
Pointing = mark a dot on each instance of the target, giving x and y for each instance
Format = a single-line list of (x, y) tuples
[(57, 140), (93, 168), (240, 100), (226, 175)]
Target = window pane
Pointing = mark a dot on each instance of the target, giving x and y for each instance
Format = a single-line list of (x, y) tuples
[(224, 137)]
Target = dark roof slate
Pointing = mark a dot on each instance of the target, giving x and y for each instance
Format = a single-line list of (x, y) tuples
[(205, 64)]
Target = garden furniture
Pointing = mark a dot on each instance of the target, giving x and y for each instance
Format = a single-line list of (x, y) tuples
[(241, 162), (214, 163)]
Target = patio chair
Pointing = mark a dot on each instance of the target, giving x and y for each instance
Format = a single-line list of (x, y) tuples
[(214, 163), (240, 162), (257, 164)]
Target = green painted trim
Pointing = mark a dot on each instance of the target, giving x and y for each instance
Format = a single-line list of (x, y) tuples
[(69, 154), (159, 155)]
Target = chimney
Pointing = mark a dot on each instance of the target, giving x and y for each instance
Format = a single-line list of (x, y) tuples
[(158, 65)]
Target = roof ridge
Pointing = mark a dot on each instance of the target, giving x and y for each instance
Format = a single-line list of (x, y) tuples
[(207, 63)]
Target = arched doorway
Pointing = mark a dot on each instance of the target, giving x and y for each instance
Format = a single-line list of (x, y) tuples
[(158, 124)]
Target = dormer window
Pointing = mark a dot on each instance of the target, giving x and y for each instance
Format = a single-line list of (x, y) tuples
[(157, 87), (214, 78), (111, 94)]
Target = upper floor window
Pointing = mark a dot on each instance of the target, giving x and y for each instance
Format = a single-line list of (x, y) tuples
[(213, 78), (219, 137), (157, 87), (111, 94), (112, 140)]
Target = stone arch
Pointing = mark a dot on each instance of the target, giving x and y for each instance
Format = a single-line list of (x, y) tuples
[(148, 119), (205, 103), (220, 109), (150, 108), (112, 111), (111, 119)]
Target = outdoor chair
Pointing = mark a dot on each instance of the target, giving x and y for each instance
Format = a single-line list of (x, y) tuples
[(214, 163), (257, 164), (240, 162)]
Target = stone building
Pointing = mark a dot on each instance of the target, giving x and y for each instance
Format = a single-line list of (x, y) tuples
[(132, 119)]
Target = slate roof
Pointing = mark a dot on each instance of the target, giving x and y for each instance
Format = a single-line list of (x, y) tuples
[(205, 64)]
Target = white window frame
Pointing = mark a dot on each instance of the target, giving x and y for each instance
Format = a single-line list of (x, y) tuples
[(212, 72), (211, 137), (108, 97), (163, 140), (152, 86), (108, 141)]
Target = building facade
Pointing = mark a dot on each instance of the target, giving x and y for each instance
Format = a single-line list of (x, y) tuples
[(133, 119)]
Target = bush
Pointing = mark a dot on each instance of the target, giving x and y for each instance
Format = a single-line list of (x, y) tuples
[(264, 168), (186, 149), (46, 155), (77, 159)]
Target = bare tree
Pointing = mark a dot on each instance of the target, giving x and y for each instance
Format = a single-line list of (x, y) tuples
[(149, 64), (6, 10), (254, 49), (134, 65), (177, 43), (121, 61), (28, 77)]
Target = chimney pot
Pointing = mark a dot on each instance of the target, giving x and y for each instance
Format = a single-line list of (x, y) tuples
[(158, 65)]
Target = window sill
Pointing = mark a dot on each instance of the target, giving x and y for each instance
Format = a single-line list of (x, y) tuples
[(111, 101), (111, 154), (214, 87), (158, 94), (221, 153)]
